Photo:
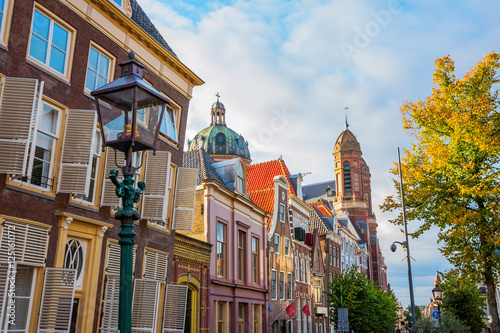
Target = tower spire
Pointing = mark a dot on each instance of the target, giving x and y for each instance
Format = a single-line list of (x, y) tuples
[(218, 113), (346, 123)]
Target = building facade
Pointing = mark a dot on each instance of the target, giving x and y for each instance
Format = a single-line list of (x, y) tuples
[(57, 204)]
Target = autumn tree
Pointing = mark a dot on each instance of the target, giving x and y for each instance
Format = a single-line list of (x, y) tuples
[(463, 300), (451, 173), (370, 309)]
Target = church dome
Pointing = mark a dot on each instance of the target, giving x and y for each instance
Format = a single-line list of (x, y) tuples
[(219, 140), (347, 140)]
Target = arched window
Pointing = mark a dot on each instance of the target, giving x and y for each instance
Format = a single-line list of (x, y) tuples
[(240, 178), (347, 178), (75, 258)]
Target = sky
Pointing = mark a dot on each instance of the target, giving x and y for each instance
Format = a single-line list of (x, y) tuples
[(286, 70)]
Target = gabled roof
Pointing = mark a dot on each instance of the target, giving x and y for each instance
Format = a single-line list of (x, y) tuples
[(261, 175), (319, 205), (317, 190), (202, 161), (143, 21), (260, 182), (315, 218)]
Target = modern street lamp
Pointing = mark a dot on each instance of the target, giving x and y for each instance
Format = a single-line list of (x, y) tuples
[(437, 293), (130, 111), (405, 245)]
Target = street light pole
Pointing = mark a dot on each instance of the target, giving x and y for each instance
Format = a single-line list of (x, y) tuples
[(408, 262)]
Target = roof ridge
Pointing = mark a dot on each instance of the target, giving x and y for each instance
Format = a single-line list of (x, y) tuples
[(261, 163)]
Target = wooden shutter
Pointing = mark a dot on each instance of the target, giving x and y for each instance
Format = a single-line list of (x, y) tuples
[(155, 265), (57, 300), (145, 305), (110, 304), (18, 109), (155, 198), (113, 259), (109, 197), (175, 308), (185, 190), (30, 241), (76, 159)]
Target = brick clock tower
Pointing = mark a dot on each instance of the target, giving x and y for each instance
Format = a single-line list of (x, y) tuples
[(353, 194)]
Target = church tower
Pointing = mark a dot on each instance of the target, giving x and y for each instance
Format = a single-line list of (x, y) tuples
[(353, 193)]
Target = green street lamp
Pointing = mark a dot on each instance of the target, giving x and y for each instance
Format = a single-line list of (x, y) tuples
[(438, 296), (129, 111)]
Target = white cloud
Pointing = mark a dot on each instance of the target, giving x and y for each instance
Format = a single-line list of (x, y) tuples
[(266, 57)]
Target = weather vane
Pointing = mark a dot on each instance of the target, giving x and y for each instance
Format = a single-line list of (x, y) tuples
[(346, 124)]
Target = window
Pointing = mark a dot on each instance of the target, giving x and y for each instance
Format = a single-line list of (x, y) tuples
[(302, 271), (241, 258), (257, 327), (347, 178), (169, 123), (277, 239), (50, 42), (317, 261), (273, 284), (330, 277), (317, 290), (5, 13), (222, 317), (240, 177), (74, 257), (98, 69), (221, 249), (289, 286), (331, 255), (241, 318), (297, 276), (282, 213), (282, 285), (96, 151), (255, 260), (287, 246), (42, 156), (308, 273)]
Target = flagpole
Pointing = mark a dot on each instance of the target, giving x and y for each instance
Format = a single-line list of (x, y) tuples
[(276, 318)]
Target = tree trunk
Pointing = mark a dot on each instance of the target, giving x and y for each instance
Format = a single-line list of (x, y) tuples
[(492, 302)]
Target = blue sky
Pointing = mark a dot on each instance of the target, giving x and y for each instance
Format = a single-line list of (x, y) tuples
[(285, 70)]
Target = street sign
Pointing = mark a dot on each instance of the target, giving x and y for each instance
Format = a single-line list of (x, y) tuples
[(343, 323), (435, 313)]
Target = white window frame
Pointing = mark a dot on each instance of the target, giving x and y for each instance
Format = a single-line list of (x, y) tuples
[(111, 65), (70, 42), (308, 272), (274, 279), (282, 288), (318, 292), (297, 268), (277, 243), (5, 22), (302, 271), (287, 247), (175, 122), (289, 284), (282, 213), (94, 171), (255, 261), (239, 183), (79, 277)]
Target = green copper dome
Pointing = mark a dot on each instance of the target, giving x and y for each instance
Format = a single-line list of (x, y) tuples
[(218, 139)]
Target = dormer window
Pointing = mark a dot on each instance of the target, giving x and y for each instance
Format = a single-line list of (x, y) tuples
[(240, 178)]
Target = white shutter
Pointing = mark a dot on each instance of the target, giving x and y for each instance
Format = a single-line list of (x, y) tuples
[(109, 197), (145, 305), (110, 304), (155, 265), (76, 159), (4, 286), (18, 106), (29, 241), (175, 308), (57, 300), (155, 197), (113, 259), (185, 190)]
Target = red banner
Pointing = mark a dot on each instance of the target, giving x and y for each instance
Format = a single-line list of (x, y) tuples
[(290, 309), (306, 310)]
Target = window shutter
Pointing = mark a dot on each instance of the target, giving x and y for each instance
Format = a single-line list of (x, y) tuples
[(155, 265), (155, 198), (185, 190), (57, 300), (144, 303), (113, 260), (76, 160), (109, 197), (30, 241), (18, 106), (110, 304), (4, 286), (175, 308)]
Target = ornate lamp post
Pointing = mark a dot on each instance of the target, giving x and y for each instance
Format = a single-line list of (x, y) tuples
[(130, 111), (437, 293)]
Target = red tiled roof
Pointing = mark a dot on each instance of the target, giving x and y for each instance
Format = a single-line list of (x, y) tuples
[(319, 206), (261, 185)]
